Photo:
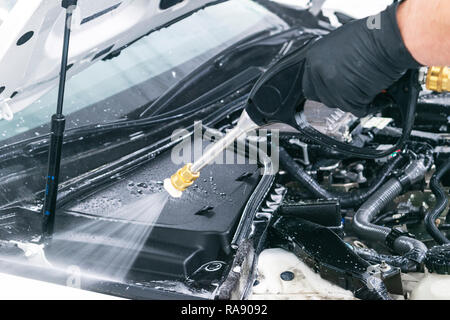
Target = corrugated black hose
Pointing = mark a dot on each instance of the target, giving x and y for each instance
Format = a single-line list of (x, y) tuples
[(400, 242), (441, 204), (375, 198), (351, 200)]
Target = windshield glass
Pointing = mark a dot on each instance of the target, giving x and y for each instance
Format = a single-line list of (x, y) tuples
[(110, 90)]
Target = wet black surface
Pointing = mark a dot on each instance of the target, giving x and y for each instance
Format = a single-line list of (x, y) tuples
[(181, 240)]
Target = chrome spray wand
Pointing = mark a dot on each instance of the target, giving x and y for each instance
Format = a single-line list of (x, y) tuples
[(57, 133), (274, 99), (186, 176)]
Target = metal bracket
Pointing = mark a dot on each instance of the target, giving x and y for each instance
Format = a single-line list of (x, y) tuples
[(304, 148)]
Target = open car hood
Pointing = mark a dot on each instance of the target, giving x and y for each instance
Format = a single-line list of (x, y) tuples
[(32, 37)]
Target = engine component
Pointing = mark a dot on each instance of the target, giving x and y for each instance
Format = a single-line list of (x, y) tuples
[(347, 200), (405, 213), (441, 204), (395, 239), (390, 276), (327, 213), (438, 259), (401, 262), (332, 122)]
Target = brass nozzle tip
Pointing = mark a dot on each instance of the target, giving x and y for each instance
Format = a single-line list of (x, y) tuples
[(184, 178), (438, 79)]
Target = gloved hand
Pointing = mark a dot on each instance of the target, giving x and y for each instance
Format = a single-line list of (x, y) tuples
[(350, 66)]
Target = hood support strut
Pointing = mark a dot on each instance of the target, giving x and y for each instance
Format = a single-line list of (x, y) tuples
[(58, 124)]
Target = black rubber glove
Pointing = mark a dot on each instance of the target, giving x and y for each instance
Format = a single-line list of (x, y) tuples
[(350, 66)]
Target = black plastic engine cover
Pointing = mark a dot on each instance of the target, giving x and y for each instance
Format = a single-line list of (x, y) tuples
[(190, 231)]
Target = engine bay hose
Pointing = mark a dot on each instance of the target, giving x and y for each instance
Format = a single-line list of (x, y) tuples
[(358, 197), (354, 199), (441, 204), (403, 262), (399, 241), (294, 169)]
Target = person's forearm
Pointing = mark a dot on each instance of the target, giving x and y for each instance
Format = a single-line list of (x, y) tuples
[(425, 28)]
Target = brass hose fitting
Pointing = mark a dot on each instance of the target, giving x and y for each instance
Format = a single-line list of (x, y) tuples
[(184, 178), (438, 79)]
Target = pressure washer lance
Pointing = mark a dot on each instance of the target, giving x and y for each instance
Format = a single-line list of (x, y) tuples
[(275, 98), (186, 176)]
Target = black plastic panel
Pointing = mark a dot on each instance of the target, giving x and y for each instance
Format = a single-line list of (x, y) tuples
[(184, 237)]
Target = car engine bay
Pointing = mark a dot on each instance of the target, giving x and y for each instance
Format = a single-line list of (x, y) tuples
[(326, 192), (306, 220)]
